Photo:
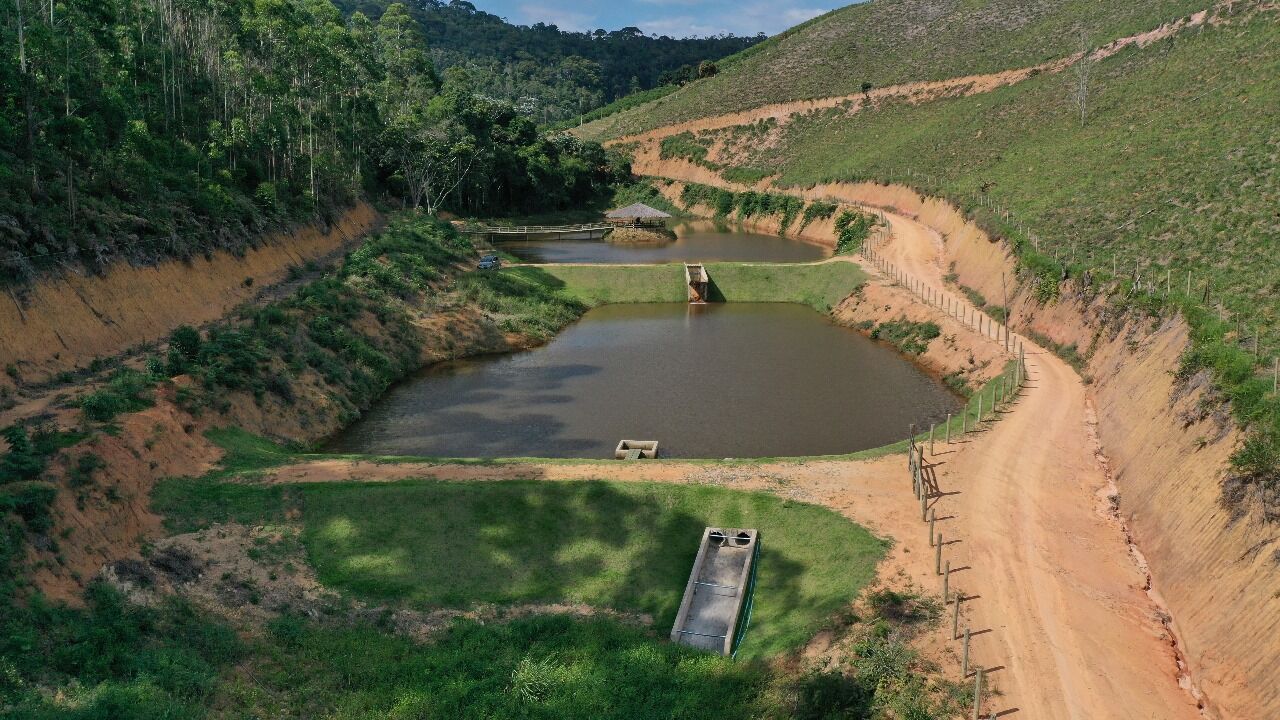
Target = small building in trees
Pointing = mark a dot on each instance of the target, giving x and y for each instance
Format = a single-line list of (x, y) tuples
[(637, 215)]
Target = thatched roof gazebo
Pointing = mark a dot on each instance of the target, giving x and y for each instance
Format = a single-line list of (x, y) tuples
[(637, 215)]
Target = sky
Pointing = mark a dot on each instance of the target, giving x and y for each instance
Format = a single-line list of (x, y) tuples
[(677, 18)]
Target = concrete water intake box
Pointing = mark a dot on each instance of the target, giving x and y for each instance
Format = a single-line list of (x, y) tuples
[(716, 608), (636, 449)]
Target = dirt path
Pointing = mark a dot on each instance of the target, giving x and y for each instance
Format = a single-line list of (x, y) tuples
[(914, 92), (1057, 598)]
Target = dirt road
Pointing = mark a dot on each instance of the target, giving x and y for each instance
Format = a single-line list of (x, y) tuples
[(1058, 599), (913, 92)]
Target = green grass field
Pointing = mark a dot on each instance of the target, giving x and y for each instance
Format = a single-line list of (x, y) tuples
[(820, 286), (602, 284), (888, 42), (623, 546)]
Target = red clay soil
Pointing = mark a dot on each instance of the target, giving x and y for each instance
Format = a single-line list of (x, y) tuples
[(1169, 457), (63, 323)]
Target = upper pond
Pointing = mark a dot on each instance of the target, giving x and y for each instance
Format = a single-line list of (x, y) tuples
[(696, 241), (711, 381)]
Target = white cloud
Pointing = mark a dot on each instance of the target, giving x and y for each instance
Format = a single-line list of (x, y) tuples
[(677, 18)]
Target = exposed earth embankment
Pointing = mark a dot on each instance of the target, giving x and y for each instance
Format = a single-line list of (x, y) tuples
[(1162, 441), (63, 323)]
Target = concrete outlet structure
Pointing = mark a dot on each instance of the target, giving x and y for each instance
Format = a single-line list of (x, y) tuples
[(716, 608)]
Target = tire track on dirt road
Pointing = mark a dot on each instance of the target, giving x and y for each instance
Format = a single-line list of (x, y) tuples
[(1059, 602)]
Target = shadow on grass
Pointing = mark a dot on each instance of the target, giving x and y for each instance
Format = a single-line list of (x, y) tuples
[(623, 546)]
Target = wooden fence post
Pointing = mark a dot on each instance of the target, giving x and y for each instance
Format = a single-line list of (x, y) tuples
[(949, 414), (955, 618), (933, 518), (946, 583), (964, 657), (937, 554), (932, 427), (977, 694)]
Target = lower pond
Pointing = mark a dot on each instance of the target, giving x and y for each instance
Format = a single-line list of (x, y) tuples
[(695, 241), (711, 381)]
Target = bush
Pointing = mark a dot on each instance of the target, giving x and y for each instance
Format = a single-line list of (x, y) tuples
[(817, 210), (29, 500), (126, 391), (910, 337), (853, 228), (22, 461)]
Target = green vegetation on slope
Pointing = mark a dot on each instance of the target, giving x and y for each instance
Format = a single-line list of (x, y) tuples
[(141, 131), (1171, 176), (821, 286), (127, 662), (888, 42), (625, 546)]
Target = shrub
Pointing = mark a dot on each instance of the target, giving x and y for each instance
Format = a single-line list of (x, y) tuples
[(852, 228), (817, 210), (127, 391), (910, 337), (82, 472), (22, 461), (29, 500)]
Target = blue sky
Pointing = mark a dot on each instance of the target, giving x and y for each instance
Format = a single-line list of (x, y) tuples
[(677, 18)]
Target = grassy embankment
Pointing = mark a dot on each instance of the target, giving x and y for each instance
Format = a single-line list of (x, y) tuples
[(820, 286), (1170, 177), (622, 546), (881, 44)]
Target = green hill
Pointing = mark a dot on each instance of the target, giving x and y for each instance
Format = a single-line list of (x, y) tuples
[(552, 74), (1167, 182), (887, 42)]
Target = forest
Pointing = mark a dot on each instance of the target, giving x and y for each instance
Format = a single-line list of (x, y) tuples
[(553, 74), (137, 130)]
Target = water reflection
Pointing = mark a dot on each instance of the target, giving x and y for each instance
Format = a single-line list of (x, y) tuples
[(732, 380), (696, 240)]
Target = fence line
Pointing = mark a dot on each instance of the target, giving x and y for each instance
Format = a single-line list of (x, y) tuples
[(1004, 389)]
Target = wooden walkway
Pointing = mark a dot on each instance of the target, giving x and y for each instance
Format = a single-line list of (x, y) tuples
[(536, 229)]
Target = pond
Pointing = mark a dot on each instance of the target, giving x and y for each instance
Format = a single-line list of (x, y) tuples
[(696, 241), (711, 381)]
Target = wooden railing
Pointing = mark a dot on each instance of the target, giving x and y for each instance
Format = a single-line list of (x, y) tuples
[(535, 229)]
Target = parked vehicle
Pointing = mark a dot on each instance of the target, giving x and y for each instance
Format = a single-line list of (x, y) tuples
[(490, 262)]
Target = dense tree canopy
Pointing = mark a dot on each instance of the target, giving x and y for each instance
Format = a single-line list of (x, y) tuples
[(142, 129), (552, 74)]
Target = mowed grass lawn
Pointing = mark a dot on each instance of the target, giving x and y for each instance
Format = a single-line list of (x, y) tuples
[(624, 546), (818, 285)]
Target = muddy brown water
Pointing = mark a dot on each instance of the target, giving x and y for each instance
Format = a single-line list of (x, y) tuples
[(696, 241), (712, 381)]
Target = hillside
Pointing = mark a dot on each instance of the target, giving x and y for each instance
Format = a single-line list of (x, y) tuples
[(143, 131), (1127, 192), (550, 73), (888, 42)]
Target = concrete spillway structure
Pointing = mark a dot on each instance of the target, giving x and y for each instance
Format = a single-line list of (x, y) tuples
[(698, 281), (716, 607)]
